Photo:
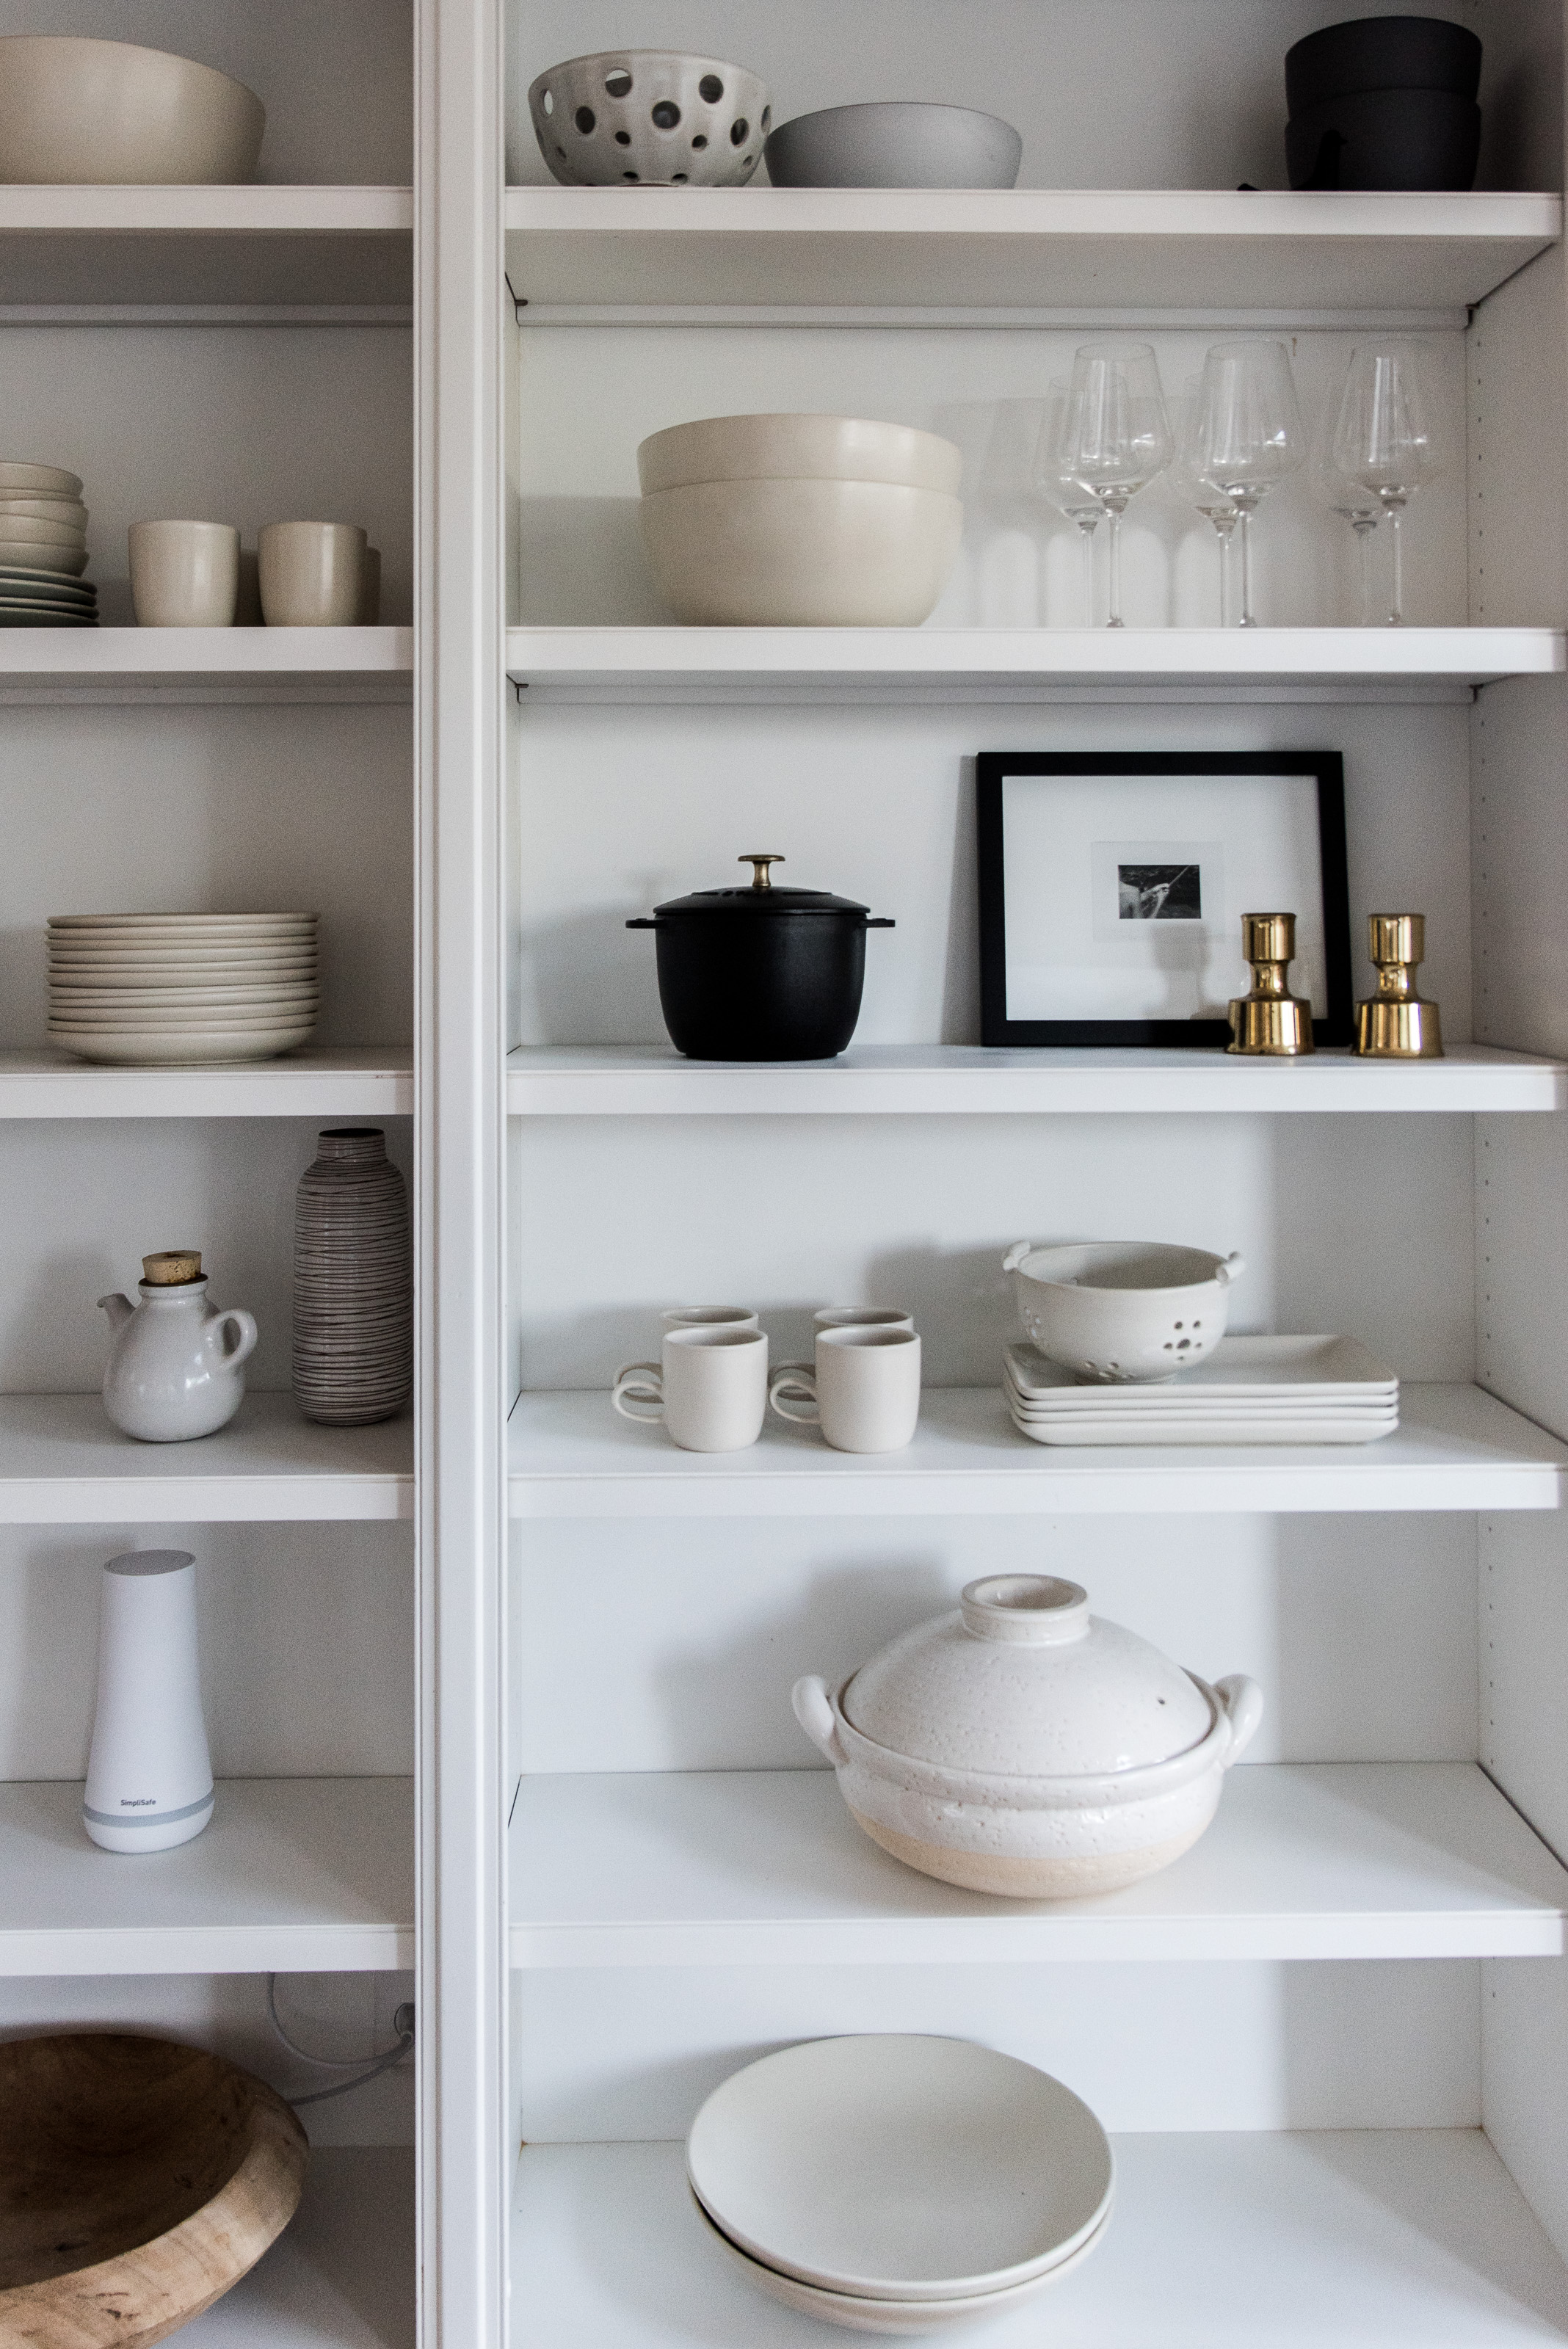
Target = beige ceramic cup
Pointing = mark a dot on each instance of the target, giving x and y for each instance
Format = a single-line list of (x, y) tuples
[(710, 1317), (185, 574), (863, 1317), (864, 1392), (312, 574), (710, 1388)]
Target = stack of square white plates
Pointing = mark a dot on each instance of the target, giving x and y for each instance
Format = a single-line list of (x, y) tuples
[(1250, 1390), (42, 549), (168, 989), (894, 2183)]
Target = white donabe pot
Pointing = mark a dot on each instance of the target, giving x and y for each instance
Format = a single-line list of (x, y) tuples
[(1122, 1312), (1020, 1747)]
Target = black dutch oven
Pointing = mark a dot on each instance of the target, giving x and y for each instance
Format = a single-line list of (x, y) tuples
[(760, 973)]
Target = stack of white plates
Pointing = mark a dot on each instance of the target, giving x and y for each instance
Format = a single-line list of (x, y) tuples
[(42, 549), (1250, 1390), (896, 2184), (166, 989)]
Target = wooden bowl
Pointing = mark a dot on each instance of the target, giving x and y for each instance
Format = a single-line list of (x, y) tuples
[(138, 2181)]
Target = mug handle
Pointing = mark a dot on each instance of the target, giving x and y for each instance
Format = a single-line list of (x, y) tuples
[(802, 1378), (645, 1380)]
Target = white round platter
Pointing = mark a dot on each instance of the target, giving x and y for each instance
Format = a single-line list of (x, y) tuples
[(897, 2166), (130, 1050)]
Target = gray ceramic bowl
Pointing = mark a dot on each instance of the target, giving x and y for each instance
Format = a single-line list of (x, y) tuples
[(894, 146)]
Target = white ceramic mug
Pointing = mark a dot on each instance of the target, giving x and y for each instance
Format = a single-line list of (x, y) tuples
[(710, 1388), (312, 574), (710, 1317), (864, 1393), (185, 574), (863, 1317)]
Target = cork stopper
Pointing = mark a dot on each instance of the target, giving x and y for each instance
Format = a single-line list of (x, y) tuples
[(168, 1267)]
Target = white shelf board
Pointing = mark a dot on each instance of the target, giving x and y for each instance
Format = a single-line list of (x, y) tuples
[(55, 660), (734, 1867), (206, 247), (923, 1079), (571, 1455), (1022, 249), (770, 664), (62, 1462), (342, 2273), (345, 1080), (1363, 2239), (293, 1876)]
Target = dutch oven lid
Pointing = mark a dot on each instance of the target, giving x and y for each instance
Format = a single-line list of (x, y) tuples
[(761, 896)]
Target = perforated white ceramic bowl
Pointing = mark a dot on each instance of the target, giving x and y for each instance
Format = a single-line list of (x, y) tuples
[(1122, 1312), (651, 117)]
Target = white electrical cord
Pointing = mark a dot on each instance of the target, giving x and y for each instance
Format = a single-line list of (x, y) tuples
[(402, 2023)]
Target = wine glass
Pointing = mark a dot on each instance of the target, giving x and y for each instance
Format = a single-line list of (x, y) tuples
[(1360, 509), (1114, 435), (1194, 488), (1062, 489), (1382, 440), (1247, 433)]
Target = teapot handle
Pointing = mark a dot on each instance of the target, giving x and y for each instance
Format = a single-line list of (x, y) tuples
[(814, 1711), (243, 1347), (1243, 1702)]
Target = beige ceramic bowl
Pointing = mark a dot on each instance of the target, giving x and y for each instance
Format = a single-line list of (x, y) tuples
[(797, 447), (79, 112), (801, 554)]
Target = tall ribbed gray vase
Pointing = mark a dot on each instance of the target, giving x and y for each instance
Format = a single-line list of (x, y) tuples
[(353, 1282)]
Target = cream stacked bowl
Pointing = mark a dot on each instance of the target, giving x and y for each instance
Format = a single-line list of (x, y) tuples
[(168, 989), (891, 2182), (42, 548), (799, 521)]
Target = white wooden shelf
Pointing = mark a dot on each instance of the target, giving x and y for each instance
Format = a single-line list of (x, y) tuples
[(956, 1080), (61, 1463), (734, 1867), (571, 1455), (1363, 2239), (345, 1080), (316, 664), (130, 249), (341, 2275), (293, 1876), (770, 664), (1032, 249)]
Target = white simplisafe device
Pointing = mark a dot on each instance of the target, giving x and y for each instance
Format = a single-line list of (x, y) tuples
[(149, 1776)]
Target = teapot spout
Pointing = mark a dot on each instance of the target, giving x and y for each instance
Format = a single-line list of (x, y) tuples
[(118, 1309)]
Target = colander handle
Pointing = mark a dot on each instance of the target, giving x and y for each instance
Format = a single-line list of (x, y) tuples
[(1234, 1265), (1016, 1255)]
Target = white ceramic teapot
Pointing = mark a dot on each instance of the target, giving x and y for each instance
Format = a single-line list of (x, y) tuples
[(176, 1365), (1021, 1746)]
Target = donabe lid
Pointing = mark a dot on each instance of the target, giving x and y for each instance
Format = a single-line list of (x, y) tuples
[(760, 897)]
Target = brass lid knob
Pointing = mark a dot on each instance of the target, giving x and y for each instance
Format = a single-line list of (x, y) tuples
[(1397, 937), (170, 1268), (761, 877)]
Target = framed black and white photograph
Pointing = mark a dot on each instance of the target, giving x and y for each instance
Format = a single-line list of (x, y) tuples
[(1112, 889)]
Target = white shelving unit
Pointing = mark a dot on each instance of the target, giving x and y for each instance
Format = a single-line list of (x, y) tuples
[(321, 1081), (744, 1867), (1330, 2042), (120, 250), (294, 1876), (1456, 1448), (344, 2270)]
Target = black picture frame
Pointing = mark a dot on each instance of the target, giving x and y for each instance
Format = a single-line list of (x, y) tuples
[(1332, 1023)]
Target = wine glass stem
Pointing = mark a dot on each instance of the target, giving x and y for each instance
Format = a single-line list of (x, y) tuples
[(1086, 533), (1114, 621), (1247, 619), (1225, 580), (1363, 539), (1396, 616)]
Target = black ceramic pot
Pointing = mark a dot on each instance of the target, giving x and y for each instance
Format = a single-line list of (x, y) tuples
[(760, 973), (1382, 53), (1385, 138)]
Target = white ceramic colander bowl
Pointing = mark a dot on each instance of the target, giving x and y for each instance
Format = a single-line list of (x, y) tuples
[(1122, 1312), (651, 117)]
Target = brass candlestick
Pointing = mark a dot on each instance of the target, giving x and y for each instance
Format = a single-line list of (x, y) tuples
[(1271, 1019), (1396, 1024)]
